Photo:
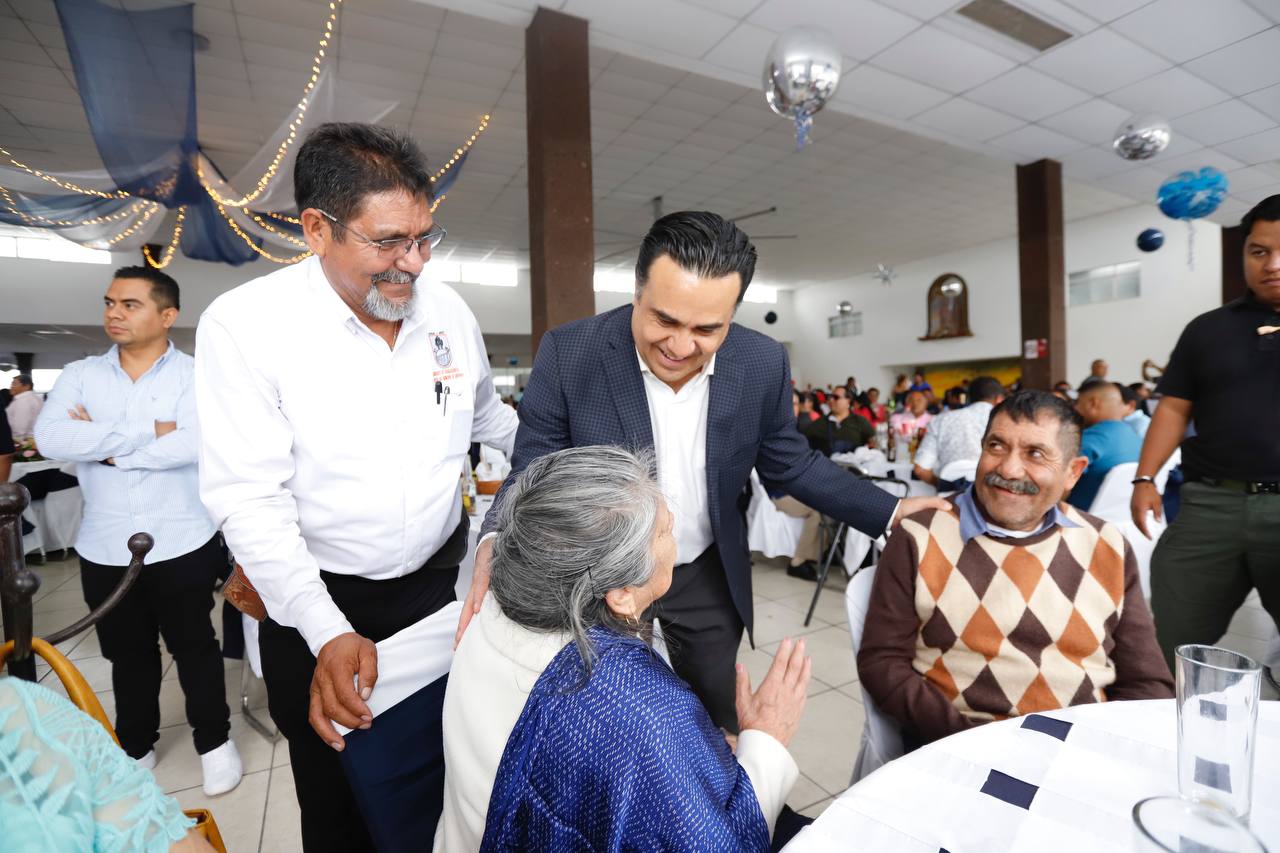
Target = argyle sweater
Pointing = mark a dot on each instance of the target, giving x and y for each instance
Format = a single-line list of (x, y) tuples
[(961, 633)]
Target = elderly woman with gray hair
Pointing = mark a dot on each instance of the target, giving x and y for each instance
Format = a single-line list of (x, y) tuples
[(563, 730)]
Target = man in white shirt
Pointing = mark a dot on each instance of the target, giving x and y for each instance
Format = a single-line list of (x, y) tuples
[(345, 512), (25, 407), (956, 435), (128, 419)]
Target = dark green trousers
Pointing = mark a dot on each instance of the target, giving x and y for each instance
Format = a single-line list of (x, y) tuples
[(1222, 544)]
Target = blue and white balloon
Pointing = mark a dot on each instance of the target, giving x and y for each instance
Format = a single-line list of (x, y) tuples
[(1192, 195)]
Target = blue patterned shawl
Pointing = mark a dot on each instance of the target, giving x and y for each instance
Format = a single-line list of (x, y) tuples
[(629, 760)]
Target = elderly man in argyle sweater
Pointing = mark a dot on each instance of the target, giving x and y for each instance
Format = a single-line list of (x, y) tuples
[(1015, 603)]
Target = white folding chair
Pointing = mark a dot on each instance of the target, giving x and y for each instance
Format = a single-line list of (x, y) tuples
[(960, 469), (1111, 503), (770, 530), (881, 737)]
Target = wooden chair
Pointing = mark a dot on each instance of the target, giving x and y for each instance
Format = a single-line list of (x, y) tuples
[(18, 585)]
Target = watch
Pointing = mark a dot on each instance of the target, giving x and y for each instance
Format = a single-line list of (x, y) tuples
[(1136, 480)]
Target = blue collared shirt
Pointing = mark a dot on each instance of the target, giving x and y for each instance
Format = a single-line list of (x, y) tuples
[(974, 523), (153, 487)]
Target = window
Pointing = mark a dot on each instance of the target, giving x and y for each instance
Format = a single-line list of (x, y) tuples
[(1105, 284), (46, 245), (845, 325)]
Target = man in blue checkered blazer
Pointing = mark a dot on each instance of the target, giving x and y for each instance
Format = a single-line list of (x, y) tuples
[(712, 399)]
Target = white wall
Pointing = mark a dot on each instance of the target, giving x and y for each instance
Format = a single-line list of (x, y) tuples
[(1123, 332)]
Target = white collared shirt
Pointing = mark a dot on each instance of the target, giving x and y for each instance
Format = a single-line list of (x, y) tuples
[(153, 486), (323, 448), (954, 436), (679, 423), (22, 412)]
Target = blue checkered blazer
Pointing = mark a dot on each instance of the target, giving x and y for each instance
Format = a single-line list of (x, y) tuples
[(586, 389)]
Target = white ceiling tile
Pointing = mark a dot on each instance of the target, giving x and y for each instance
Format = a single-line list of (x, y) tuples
[(1258, 148), (1061, 14), (1228, 120), (649, 24), (1243, 181), (1137, 181), (732, 8), (1244, 66), (744, 49), (1093, 121), (941, 59), (1270, 8), (1032, 142), (1106, 10), (1196, 159), (870, 88), (860, 28), (1170, 93), (1092, 163), (968, 120), (1267, 100), (1181, 30), (1027, 94), (1100, 62), (923, 9)]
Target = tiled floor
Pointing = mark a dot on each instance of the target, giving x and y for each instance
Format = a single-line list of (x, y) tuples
[(262, 813)]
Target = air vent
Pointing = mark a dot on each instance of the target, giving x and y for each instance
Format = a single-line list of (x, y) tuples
[(1010, 21)]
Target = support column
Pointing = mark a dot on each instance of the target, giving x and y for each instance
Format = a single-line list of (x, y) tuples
[(26, 361), (561, 242), (1042, 275), (1233, 286)]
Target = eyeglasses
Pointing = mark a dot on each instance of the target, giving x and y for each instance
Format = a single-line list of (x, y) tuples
[(396, 247)]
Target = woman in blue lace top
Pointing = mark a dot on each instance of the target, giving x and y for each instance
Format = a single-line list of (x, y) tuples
[(66, 786)]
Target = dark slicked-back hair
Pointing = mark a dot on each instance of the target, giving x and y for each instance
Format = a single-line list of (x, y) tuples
[(703, 243), (984, 389), (1267, 210), (342, 163), (164, 290), (1035, 405)]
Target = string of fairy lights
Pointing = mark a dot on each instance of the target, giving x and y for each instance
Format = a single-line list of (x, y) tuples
[(144, 210)]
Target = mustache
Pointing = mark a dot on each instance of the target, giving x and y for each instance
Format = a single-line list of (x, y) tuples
[(1020, 487), (393, 277)]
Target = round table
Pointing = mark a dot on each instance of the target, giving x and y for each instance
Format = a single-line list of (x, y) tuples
[(57, 517), (1059, 781)]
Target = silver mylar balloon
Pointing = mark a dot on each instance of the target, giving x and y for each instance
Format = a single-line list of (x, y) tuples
[(1141, 137), (801, 74), (845, 307)]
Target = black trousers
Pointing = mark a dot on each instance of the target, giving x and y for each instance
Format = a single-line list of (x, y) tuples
[(331, 819), (172, 599), (702, 630)]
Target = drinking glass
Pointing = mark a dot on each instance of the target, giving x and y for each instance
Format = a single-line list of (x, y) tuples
[(1176, 825), (1217, 725)]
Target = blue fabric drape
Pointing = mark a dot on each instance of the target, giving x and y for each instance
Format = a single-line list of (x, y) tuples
[(625, 759)]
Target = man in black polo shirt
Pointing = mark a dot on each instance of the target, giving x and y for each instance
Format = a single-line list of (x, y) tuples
[(1224, 373), (843, 431)]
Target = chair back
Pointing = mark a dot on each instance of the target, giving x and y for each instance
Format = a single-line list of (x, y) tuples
[(78, 690), (770, 530), (960, 469), (1112, 501), (881, 736)]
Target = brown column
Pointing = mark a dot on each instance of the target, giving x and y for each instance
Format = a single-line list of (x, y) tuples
[(1041, 273), (1233, 286), (561, 247)]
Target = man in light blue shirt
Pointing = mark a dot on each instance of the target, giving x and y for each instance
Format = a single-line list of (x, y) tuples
[(128, 418), (1107, 440)]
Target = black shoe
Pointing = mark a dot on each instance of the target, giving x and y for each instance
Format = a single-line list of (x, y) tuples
[(806, 571)]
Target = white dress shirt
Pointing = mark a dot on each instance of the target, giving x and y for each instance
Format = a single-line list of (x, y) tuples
[(679, 423), (153, 487), (22, 412), (323, 448), (494, 671), (954, 436)]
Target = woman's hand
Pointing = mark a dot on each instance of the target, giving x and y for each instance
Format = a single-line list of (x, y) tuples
[(776, 707)]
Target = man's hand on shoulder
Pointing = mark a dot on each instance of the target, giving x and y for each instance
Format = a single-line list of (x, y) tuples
[(333, 687), (479, 586), (910, 506)]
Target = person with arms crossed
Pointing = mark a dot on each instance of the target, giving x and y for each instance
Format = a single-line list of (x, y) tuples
[(1225, 373), (128, 419), (351, 528), (673, 372)]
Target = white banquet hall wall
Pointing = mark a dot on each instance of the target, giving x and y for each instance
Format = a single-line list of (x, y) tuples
[(1123, 332)]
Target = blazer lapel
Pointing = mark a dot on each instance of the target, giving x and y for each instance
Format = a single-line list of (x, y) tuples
[(627, 385)]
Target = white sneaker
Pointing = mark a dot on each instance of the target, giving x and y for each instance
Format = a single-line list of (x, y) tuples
[(148, 761), (222, 769)]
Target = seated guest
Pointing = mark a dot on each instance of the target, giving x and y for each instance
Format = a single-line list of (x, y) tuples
[(842, 431), (1142, 393), (1107, 441), (1064, 391), (1017, 603), (563, 729), (802, 403), (918, 383), (957, 436), (1136, 415), (873, 410), (901, 387), (25, 406), (914, 418)]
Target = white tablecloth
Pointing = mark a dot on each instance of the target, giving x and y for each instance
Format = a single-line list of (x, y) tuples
[(1082, 781), (57, 517)]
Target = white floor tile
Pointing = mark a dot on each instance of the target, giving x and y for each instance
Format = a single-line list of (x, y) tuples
[(239, 812), (178, 764), (61, 599), (281, 832), (805, 793), (830, 607), (758, 663), (775, 621), (826, 744), (817, 808)]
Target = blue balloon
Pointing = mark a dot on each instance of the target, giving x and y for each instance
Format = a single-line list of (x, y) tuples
[(1151, 239), (1191, 195)]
